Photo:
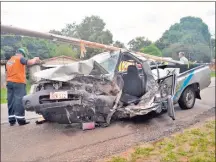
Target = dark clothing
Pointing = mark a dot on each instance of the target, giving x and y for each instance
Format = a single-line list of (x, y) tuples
[(15, 93), (23, 61)]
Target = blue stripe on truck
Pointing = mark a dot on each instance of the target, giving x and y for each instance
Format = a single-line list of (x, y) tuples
[(184, 84)]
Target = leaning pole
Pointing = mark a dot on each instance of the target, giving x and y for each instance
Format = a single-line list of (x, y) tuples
[(74, 41)]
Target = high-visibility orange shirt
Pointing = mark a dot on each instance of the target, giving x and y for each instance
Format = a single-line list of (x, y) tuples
[(16, 70)]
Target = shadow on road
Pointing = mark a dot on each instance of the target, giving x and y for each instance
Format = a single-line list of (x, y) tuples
[(134, 121)]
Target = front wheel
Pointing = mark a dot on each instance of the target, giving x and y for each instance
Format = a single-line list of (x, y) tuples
[(187, 99)]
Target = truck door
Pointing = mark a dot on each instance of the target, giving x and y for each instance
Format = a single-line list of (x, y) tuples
[(167, 91)]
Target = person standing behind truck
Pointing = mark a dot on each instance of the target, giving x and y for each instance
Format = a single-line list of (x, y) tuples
[(183, 59), (16, 86)]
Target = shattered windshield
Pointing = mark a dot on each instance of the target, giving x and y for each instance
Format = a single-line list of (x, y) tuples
[(107, 60)]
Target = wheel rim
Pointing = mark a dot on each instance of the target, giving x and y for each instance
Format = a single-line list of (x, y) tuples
[(190, 98)]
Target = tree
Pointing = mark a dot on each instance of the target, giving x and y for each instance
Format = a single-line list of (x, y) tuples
[(70, 30), (161, 44), (92, 29), (190, 30), (53, 31), (65, 49), (2, 54), (212, 46), (152, 50), (138, 43), (191, 35), (213, 43), (118, 44), (37, 47), (199, 52), (8, 52)]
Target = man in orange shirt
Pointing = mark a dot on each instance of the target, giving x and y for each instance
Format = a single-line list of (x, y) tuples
[(16, 86)]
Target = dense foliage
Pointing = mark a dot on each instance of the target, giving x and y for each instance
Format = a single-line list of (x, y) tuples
[(138, 43), (152, 50), (190, 35), (90, 29), (118, 44)]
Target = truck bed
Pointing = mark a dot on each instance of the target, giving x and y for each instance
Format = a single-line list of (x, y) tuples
[(196, 74)]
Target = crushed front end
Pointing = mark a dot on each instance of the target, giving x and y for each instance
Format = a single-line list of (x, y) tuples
[(83, 99)]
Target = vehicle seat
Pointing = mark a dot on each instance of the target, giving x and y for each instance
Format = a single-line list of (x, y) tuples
[(133, 84)]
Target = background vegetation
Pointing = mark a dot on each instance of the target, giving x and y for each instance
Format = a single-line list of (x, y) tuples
[(190, 35)]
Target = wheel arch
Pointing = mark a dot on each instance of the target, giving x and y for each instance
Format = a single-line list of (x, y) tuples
[(196, 87)]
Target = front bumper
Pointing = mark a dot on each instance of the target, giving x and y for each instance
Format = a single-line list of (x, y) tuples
[(40, 101), (77, 108)]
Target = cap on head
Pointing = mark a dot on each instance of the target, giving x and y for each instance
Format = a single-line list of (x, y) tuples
[(22, 51)]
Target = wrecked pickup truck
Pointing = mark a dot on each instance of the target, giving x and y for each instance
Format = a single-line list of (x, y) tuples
[(100, 89)]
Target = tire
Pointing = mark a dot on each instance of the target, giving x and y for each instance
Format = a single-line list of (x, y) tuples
[(187, 99)]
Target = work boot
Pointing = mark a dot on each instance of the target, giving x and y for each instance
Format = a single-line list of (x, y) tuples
[(12, 124), (12, 121)]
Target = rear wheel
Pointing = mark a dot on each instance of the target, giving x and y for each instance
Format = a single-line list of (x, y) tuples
[(187, 99)]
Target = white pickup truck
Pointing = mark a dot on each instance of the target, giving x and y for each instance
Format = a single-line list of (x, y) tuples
[(97, 89)]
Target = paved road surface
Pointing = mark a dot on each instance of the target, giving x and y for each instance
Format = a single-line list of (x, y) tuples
[(53, 142), (4, 113)]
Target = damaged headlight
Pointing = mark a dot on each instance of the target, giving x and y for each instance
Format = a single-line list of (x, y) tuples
[(27, 104)]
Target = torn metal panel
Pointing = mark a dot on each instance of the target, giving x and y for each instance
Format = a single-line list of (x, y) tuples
[(94, 66), (66, 72)]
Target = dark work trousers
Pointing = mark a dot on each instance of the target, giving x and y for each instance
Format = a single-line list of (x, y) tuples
[(15, 93)]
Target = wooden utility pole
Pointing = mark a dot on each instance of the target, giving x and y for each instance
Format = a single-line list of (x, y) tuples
[(78, 42)]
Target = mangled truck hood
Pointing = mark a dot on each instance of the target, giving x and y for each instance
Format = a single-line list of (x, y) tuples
[(69, 71)]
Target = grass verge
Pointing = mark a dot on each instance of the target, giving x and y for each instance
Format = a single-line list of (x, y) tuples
[(4, 93), (193, 145), (213, 74)]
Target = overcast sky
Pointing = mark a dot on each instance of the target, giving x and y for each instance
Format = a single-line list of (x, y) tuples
[(125, 20)]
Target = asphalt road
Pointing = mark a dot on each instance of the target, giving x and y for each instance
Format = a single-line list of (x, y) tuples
[(54, 142)]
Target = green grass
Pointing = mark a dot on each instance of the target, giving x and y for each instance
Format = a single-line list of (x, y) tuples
[(118, 159), (213, 74), (193, 145), (4, 93)]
